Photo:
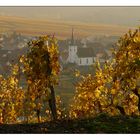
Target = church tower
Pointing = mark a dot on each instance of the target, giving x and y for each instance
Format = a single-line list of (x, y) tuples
[(72, 50)]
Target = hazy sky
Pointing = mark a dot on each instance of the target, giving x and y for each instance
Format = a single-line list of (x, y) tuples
[(128, 16)]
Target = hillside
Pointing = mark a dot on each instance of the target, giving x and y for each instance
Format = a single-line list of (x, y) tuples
[(99, 125), (62, 29)]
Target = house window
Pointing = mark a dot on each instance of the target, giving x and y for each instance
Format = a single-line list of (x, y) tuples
[(87, 60)]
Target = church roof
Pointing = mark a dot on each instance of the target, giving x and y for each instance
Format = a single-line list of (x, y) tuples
[(85, 52)]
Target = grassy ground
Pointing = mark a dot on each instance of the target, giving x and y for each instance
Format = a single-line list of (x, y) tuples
[(98, 125)]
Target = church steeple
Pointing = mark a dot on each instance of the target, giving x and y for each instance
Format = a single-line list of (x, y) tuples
[(72, 49), (72, 37)]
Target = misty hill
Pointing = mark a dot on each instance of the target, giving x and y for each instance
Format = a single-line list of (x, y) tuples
[(61, 29), (123, 16)]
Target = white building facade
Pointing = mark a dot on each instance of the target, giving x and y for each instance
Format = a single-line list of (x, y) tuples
[(81, 56), (85, 56), (85, 61)]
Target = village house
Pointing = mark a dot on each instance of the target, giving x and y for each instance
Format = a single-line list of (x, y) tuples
[(85, 54)]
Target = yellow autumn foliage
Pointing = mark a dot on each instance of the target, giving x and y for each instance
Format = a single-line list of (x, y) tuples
[(115, 86)]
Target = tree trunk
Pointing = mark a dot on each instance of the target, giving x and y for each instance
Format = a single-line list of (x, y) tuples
[(121, 109), (26, 106), (38, 115), (52, 103), (138, 95)]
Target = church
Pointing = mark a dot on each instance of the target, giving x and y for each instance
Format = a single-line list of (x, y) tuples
[(82, 56)]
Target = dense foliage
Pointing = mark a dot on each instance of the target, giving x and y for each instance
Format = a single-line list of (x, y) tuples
[(11, 97), (39, 69), (114, 89)]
